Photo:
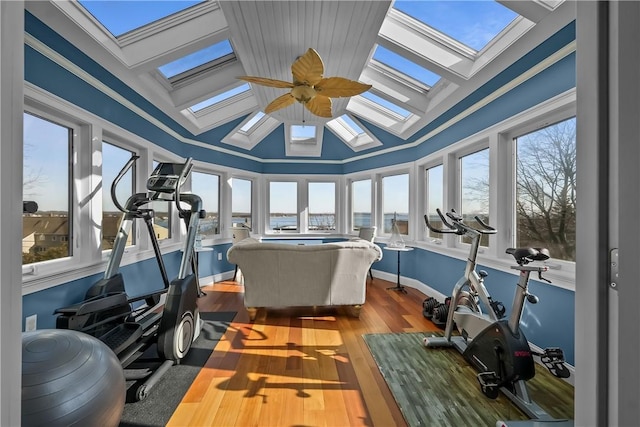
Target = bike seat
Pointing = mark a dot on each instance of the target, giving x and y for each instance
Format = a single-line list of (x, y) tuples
[(529, 254)]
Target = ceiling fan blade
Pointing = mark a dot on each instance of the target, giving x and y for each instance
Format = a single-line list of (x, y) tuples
[(320, 106), (308, 68), (279, 103), (337, 87), (266, 82)]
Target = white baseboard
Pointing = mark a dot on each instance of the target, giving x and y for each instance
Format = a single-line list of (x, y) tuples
[(220, 277), (412, 283)]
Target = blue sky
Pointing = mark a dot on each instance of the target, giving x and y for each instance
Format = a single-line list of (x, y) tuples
[(473, 23), (120, 17), (46, 164)]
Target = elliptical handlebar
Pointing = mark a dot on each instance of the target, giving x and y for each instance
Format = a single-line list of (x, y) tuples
[(458, 226), (186, 170), (116, 181)]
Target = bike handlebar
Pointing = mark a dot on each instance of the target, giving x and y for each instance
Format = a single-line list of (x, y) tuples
[(458, 226)]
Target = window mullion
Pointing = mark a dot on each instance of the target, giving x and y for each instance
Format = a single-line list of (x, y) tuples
[(450, 192)]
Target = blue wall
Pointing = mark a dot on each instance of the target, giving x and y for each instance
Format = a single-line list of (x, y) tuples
[(139, 278)]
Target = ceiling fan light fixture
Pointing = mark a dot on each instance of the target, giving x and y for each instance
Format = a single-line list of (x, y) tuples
[(309, 87), (303, 93)]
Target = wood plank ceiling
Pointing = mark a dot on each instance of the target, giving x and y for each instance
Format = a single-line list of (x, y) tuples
[(269, 35)]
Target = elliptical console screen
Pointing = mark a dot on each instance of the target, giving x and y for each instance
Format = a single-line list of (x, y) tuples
[(164, 177)]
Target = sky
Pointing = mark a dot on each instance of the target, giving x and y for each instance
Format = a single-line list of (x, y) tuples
[(46, 164), (473, 23)]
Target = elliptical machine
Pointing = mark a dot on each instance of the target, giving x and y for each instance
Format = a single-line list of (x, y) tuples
[(108, 313), (496, 347)]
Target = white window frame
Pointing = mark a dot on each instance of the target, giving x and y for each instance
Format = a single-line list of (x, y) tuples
[(80, 138), (349, 206), (189, 185), (501, 185), (379, 205), (254, 203), (303, 204), (508, 138), (424, 191), (89, 132), (335, 204), (117, 142)]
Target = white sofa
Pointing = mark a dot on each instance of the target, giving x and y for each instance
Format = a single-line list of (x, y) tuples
[(290, 275)]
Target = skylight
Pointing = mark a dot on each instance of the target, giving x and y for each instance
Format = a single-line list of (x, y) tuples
[(219, 98), (303, 133), (350, 131), (120, 17), (386, 104), (196, 59), (357, 130), (474, 23), (404, 66), (251, 123)]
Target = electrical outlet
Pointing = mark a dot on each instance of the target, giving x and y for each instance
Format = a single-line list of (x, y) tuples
[(30, 323), (219, 256)]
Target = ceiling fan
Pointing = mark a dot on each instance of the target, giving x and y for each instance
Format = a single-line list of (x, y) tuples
[(309, 87)]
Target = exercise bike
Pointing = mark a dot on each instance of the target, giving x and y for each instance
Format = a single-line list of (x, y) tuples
[(130, 326), (496, 347)]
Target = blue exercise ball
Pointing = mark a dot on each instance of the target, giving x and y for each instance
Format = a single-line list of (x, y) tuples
[(70, 378)]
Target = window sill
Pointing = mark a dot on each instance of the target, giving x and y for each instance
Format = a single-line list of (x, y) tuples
[(560, 273)]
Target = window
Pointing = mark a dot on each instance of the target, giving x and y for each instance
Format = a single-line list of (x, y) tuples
[(46, 180), (304, 134), (322, 206), (207, 186), (241, 201), (435, 188), (247, 127), (395, 202), (361, 204), (138, 14), (474, 185), (389, 106), (196, 59), (404, 66), (473, 23), (113, 159), (283, 206), (546, 189), (219, 98)]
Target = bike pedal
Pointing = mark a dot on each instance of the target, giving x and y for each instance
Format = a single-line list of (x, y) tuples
[(553, 359), (488, 379), (553, 353)]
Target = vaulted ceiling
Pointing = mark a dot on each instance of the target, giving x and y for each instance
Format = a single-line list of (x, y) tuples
[(374, 42)]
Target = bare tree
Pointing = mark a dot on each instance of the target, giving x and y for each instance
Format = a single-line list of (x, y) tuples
[(546, 189), (32, 177)]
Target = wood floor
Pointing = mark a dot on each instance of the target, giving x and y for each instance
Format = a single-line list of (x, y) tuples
[(299, 367)]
